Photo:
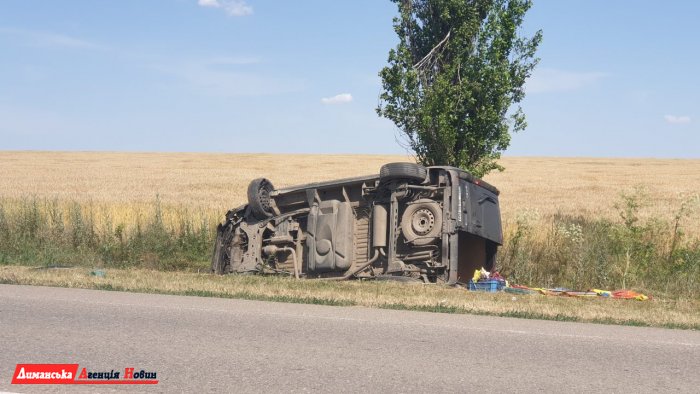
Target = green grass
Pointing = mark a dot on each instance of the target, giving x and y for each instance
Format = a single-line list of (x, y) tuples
[(52, 233), (651, 255)]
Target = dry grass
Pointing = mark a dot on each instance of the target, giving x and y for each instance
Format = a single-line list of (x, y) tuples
[(122, 186), (115, 189), (590, 187), (660, 313), (195, 180), (213, 183)]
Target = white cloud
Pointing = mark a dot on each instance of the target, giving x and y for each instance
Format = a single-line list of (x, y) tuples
[(553, 80), (338, 99), (673, 119), (66, 41), (231, 7), (208, 78), (233, 60), (48, 39)]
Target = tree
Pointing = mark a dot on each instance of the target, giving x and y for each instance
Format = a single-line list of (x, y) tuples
[(451, 81)]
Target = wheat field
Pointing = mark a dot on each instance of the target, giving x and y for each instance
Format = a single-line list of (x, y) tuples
[(563, 217), (213, 182)]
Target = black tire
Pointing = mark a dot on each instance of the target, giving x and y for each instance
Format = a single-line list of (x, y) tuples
[(259, 198), (405, 171)]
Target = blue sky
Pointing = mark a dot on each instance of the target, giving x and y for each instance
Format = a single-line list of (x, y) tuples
[(616, 79)]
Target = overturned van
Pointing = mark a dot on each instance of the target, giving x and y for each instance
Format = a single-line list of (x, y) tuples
[(435, 224)]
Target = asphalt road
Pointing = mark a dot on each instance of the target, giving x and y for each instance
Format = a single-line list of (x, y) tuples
[(219, 345)]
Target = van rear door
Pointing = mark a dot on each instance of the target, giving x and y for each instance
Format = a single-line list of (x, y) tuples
[(481, 213)]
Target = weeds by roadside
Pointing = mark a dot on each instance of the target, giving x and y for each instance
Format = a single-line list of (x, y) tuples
[(680, 313), (46, 232), (651, 255)]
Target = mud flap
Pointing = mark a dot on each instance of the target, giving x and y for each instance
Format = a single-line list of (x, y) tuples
[(221, 261)]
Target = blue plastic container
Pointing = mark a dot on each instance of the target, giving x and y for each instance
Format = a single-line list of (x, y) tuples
[(490, 285)]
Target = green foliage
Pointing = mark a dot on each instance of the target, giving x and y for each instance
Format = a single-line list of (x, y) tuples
[(451, 81)]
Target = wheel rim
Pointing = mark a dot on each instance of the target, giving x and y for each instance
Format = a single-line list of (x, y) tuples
[(423, 221), (264, 198)]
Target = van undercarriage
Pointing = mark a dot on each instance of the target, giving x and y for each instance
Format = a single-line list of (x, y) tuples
[(435, 224)]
